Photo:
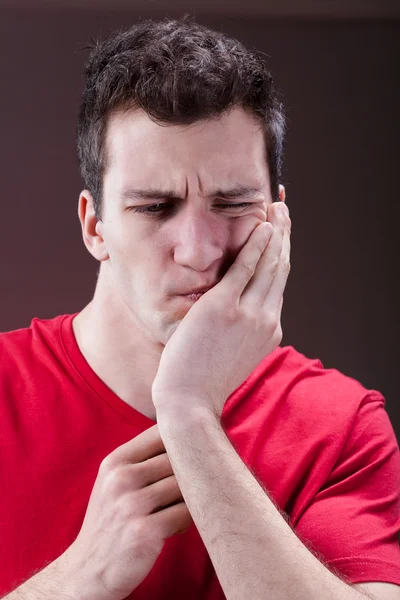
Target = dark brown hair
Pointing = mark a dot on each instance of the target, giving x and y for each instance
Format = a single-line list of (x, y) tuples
[(180, 73)]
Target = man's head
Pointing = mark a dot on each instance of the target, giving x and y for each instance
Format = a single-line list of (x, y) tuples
[(179, 73), (192, 115)]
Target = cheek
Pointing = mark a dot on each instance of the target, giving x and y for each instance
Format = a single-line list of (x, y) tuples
[(123, 241), (239, 232), (242, 228)]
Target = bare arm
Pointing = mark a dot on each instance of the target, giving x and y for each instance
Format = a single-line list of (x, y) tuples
[(54, 581), (254, 551)]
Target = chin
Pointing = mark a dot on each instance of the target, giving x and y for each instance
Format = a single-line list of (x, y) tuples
[(163, 320), (169, 330)]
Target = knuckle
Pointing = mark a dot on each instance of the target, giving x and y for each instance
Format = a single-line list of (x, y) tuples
[(126, 508), (115, 481), (107, 464), (278, 335), (286, 265), (140, 528), (270, 322), (231, 313), (138, 474), (142, 534), (269, 319), (274, 264), (248, 268), (153, 496), (250, 316)]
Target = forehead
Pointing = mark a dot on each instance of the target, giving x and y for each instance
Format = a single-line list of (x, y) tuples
[(230, 145)]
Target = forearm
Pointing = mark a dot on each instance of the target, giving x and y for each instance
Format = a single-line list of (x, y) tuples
[(254, 551), (54, 581), (45, 584)]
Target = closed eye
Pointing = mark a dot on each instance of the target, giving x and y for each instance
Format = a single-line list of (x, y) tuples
[(165, 205)]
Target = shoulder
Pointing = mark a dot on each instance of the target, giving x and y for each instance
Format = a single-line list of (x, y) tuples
[(12, 343), (302, 386), (26, 346), (290, 396)]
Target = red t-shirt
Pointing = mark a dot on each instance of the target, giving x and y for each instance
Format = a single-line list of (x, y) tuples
[(319, 442)]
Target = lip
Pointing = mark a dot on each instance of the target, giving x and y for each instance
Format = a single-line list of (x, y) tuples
[(197, 291)]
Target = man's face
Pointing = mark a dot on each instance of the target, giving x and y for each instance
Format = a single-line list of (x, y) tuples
[(189, 241)]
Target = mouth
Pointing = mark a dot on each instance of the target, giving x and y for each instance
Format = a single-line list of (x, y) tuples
[(197, 291), (192, 297)]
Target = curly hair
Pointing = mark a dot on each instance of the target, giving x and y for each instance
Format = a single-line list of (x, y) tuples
[(179, 72)]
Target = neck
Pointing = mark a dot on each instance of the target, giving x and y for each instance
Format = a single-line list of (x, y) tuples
[(118, 350)]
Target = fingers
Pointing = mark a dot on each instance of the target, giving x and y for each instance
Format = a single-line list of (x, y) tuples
[(270, 263), (171, 520), (160, 494), (274, 299), (240, 273), (142, 447), (151, 470)]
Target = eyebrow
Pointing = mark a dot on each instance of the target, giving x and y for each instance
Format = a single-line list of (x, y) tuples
[(238, 191)]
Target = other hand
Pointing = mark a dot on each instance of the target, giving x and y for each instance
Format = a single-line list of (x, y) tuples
[(135, 505)]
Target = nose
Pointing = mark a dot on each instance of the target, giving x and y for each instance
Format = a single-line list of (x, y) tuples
[(197, 242)]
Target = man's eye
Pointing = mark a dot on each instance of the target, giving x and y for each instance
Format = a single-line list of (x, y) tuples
[(165, 205)]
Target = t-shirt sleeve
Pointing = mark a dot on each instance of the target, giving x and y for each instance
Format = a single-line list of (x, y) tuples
[(352, 524)]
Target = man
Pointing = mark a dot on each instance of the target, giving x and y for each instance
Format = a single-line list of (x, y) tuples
[(159, 409)]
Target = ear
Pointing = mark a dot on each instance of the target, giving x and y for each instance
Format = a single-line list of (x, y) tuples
[(282, 193), (92, 229)]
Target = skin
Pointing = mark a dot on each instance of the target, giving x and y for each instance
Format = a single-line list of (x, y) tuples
[(147, 260)]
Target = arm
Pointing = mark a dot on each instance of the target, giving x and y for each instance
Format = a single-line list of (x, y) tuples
[(254, 551), (54, 581)]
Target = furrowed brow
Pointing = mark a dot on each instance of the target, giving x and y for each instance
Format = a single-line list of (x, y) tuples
[(148, 194), (238, 191)]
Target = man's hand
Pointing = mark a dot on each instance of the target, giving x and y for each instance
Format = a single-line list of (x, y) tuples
[(135, 505), (232, 327)]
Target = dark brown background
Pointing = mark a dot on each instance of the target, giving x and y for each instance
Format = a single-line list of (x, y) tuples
[(337, 67)]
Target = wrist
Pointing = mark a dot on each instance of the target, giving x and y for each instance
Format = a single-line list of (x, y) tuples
[(174, 411), (187, 423), (75, 582)]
